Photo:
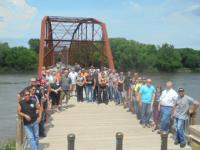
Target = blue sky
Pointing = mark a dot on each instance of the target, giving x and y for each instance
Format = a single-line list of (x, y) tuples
[(173, 21)]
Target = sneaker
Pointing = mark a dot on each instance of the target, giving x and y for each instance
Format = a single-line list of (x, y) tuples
[(182, 145), (158, 132), (148, 126), (176, 142), (143, 125)]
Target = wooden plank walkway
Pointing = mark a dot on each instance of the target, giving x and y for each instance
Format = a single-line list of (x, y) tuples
[(95, 127)]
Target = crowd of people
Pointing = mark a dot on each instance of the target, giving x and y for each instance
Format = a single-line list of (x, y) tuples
[(154, 106)]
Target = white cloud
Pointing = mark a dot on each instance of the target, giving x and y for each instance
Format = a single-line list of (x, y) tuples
[(193, 10), (184, 15), (134, 5), (17, 17)]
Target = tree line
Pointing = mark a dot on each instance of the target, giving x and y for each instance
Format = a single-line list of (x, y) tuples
[(127, 54), (17, 59), (132, 55)]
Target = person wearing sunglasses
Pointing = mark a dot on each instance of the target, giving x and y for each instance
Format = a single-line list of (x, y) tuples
[(29, 110)]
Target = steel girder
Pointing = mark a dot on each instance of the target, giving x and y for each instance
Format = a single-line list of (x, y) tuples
[(67, 36)]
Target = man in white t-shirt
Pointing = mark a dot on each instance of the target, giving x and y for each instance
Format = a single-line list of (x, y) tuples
[(73, 76), (167, 101)]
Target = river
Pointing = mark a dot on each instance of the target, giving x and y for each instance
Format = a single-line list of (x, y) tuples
[(11, 84)]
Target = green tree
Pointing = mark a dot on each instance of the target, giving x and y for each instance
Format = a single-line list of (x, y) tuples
[(168, 59), (190, 58), (34, 44)]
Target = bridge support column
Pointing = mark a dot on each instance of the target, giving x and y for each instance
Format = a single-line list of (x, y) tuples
[(71, 141), (164, 139), (119, 141)]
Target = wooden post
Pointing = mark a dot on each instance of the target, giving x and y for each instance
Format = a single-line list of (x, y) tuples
[(71, 141), (194, 136), (164, 138), (119, 141), (19, 133), (193, 118)]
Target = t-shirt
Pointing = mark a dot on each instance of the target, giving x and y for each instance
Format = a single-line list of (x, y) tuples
[(183, 104), (110, 79), (29, 108), (89, 80), (137, 87), (147, 93), (50, 79), (35, 98), (38, 92), (65, 83), (80, 81), (120, 83), (54, 86), (73, 76), (168, 98)]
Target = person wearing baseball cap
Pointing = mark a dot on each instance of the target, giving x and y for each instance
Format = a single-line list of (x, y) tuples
[(33, 82), (182, 107)]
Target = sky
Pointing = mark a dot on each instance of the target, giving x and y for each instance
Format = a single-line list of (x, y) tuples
[(175, 22)]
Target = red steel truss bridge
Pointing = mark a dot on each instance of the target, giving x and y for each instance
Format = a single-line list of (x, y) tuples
[(74, 40)]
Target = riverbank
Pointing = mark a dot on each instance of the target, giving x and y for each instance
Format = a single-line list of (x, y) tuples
[(181, 70), (5, 70), (8, 144)]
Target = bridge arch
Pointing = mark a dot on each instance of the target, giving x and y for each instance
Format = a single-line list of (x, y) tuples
[(73, 40)]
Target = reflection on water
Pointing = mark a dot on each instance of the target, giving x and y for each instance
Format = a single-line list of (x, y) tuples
[(11, 84)]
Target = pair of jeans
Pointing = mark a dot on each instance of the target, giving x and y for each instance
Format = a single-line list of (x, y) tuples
[(89, 93), (116, 96), (179, 125), (32, 134), (102, 95), (95, 94), (110, 92), (42, 125), (166, 112), (137, 109), (120, 96), (146, 113)]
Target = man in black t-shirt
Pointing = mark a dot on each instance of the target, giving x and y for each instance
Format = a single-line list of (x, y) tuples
[(29, 110)]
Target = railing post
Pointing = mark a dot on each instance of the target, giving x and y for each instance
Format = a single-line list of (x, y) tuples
[(119, 141), (71, 141), (164, 139), (19, 133)]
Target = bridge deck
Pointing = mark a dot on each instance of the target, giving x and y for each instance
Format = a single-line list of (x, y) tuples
[(95, 127)]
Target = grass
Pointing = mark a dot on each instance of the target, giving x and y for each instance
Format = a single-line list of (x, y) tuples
[(195, 146), (8, 145)]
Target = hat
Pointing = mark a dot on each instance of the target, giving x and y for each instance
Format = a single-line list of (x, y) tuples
[(181, 90), (33, 79)]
